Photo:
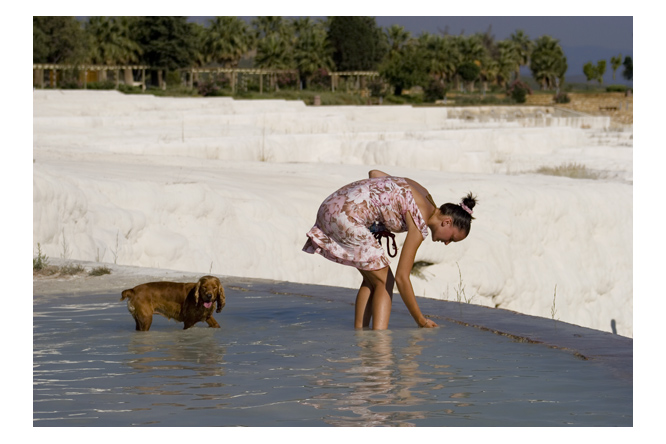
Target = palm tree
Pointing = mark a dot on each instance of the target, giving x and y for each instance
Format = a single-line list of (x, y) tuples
[(397, 37), (267, 25), (616, 62), (273, 52), (472, 51), (227, 40), (548, 63), (450, 58), (111, 42), (432, 46), (311, 48), (489, 72), (524, 47), (443, 56), (508, 60)]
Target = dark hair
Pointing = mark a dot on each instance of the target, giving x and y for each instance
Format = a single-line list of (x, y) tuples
[(461, 218)]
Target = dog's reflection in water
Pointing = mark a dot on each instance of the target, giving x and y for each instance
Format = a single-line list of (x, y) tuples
[(179, 361)]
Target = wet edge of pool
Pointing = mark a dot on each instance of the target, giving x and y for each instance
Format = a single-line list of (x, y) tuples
[(613, 351)]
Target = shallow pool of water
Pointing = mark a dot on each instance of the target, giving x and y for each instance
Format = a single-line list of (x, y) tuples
[(291, 360)]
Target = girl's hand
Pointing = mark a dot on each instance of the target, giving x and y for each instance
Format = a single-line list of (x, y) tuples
[(429, 324)]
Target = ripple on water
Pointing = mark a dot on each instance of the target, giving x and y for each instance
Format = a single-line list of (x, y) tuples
[(288, 360)]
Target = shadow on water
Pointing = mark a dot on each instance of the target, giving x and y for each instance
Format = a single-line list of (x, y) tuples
[(292, 360)]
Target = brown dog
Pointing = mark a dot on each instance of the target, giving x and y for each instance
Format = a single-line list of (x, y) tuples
[(189, 302)]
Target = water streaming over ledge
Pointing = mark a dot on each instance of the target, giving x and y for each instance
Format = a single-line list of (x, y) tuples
[(293, 360)]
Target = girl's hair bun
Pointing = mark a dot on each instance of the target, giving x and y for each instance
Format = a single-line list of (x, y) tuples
[(469, 200)]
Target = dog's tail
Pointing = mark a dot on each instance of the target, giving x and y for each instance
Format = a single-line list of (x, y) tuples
[(127, 294)]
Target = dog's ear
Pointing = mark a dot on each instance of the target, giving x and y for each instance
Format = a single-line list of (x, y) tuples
[(221, 299), (196, 292)]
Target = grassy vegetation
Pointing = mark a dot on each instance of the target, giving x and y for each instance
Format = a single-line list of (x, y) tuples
[(572, 170), (99, 271), (41, 267), (418, 267), (495, 95), (553, 309), (460, 289)]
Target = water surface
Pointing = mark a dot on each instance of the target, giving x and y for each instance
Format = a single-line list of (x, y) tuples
[(292, 360)]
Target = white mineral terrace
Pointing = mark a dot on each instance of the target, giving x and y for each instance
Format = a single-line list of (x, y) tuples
[(229, 187)]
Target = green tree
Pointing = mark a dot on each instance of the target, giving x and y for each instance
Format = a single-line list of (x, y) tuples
[(590, 71), (595, 72), (473, 52), (311, 50), (358, 44), (469, 72), (405, 68), (628, 72), (616, 62), (397, 37), (524, 47), (226, 41), (548, 63), (166, 41), (601, 70), (274, 52), (442, 56), (265, 26), (58, 40), (111, 42), (199, 56), (508, 61)]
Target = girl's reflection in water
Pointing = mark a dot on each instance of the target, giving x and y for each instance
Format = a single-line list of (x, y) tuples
[(381, 386)]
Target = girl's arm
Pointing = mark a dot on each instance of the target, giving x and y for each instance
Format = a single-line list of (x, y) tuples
[(376, 173), (402, 274)]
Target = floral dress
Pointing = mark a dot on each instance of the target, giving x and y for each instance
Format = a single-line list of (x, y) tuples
[(341, 232)]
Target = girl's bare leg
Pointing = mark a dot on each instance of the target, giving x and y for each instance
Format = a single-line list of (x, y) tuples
[(363, 307), (381, 282)]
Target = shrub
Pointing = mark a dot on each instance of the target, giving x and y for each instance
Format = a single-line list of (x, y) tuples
[(287, 80), (129, 89), (395, 100), (434, 91), (320, 80), (469, 71), (41, 261), (572, 170), (562, 98), (106, 84), (212, 86), (377, 88), (71, 269), (70, 83), (173, 78), (616, 88), (518, 91), (478, 99), (99, 271)]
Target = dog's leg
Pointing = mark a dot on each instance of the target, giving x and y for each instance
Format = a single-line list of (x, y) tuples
[(212, 322), (143, 323)]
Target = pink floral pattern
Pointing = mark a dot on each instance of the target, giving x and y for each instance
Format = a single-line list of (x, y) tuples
[(341, 232)]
